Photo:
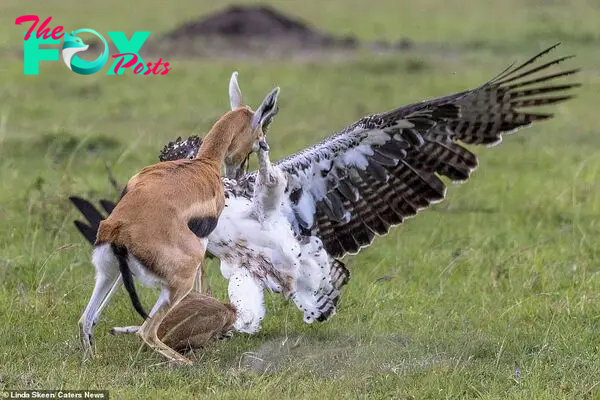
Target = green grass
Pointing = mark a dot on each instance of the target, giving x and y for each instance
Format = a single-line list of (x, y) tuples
[(503, 274)]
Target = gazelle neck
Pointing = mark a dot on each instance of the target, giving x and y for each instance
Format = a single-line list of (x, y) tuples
[(215, 145)]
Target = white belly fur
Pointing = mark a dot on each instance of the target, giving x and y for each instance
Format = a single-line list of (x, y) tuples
[(103, 257)]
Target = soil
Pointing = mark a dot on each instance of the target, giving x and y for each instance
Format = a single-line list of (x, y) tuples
[(257, 31), (339, 356), (260, 21)]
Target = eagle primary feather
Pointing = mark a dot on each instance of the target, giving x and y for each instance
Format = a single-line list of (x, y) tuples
[(355, 185), (424, 141)]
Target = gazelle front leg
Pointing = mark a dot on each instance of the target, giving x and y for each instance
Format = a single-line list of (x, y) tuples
[(200, 284), (124, 330), (199, 281), (121, 330)]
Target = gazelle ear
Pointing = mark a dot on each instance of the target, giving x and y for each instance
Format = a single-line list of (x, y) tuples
[(235, 94), (267, 109)]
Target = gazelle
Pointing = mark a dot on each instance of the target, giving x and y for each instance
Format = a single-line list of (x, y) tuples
[(158, 230), (193, 323)]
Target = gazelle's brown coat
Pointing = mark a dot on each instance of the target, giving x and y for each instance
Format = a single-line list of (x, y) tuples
[(158, 229), (196, 321)]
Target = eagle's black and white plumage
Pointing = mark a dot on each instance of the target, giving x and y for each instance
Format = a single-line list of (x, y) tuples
[(334, 198)]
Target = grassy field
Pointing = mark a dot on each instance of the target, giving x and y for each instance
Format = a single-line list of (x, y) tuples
[(493, 294)]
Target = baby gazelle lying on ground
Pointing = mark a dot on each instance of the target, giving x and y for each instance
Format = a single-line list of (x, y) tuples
[(158, 230), (193, 323)]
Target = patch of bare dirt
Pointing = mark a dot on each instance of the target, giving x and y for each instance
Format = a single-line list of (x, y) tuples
[(332, 358)]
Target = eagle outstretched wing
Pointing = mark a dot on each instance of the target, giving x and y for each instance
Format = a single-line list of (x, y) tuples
[(386, 167)]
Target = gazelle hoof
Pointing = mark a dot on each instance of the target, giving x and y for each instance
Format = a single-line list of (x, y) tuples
[(183, 361)]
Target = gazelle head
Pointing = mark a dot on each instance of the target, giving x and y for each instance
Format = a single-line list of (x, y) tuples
[(238, 154)]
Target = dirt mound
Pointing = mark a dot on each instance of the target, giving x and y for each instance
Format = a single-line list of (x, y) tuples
[(248, 21), (257, 31), (259, 25)]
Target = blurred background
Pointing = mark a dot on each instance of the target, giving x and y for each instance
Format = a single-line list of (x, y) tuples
[(493, 293)]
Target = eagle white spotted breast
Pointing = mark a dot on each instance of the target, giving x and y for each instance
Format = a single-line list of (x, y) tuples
[(355, 185)]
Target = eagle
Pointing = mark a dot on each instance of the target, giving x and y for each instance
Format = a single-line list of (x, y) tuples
[(287, 226)]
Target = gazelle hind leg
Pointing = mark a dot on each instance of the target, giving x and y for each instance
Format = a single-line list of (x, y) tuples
[(107, 299), (149, 330), (101, 290)]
